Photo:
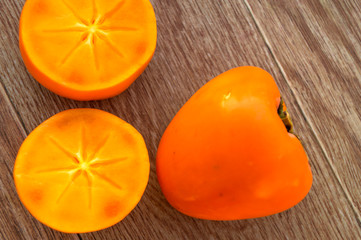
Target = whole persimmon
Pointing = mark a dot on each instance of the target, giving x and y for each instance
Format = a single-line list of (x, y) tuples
[(82, 170), (230, 152)]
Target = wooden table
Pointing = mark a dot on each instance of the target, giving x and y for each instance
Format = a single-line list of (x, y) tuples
[(311, 47)]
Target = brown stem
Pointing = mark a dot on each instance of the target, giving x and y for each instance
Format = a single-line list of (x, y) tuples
[(285, 116)]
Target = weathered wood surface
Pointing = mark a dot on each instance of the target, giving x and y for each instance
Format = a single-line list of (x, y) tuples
[(324, 73), (311, 47)]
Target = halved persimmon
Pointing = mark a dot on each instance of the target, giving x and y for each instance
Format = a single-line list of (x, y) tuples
[(87, 49), (82, 170)]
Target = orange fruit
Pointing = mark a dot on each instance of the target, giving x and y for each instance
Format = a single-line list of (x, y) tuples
[(87, 49), (231, 153), (82, 170)]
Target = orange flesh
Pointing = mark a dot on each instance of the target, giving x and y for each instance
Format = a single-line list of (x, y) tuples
[(87, 49), (226, 155), (82, 170)]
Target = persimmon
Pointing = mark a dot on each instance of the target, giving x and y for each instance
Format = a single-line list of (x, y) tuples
[(87, 49), (229, 153), (82, 170)]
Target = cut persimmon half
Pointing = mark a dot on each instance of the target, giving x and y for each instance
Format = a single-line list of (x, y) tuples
[(87, 49), (82, 170)]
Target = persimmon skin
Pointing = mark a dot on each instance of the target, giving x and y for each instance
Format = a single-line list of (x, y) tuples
[(82, 170), (85, 53), (227, 155)]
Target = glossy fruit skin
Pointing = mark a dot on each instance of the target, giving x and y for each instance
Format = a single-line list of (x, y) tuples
[(227, 155), (87, 50), (82, 170)]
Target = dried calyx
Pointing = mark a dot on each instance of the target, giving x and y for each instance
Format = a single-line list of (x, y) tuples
[(285, 116)]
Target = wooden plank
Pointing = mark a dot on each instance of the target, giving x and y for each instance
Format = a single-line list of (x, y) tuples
[(197, 41), (318, 46), (15, 220)]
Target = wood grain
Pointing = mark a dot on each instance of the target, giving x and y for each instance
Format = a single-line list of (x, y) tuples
[(324, 73), (197, 40)]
